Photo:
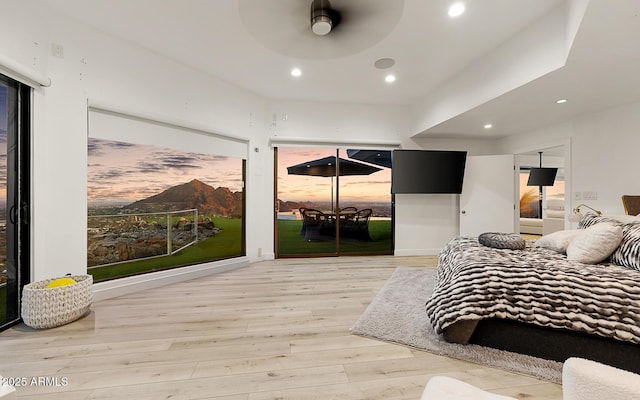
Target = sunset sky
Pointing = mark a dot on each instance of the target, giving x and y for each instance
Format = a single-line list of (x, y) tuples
[(367, 188), (123, 172)]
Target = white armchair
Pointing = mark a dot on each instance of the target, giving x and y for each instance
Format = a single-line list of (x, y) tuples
[(445, 388), (581, 380), (588, 380)]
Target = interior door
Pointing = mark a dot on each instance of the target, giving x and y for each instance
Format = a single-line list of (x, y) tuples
[(487, 202)]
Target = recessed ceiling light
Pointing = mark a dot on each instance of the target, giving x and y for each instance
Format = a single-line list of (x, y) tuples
[(456, 10), (390, 78), (296, 72), (488, 126), (561, 101)]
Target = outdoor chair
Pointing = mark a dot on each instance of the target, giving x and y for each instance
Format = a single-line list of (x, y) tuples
[(346, 214), (357, 227), (302, 210), (314, 224)]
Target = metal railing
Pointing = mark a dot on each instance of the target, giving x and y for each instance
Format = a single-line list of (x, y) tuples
[(167, 216)]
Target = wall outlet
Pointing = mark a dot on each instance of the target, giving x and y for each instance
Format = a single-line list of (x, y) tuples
[(577, 195), (590, 195)]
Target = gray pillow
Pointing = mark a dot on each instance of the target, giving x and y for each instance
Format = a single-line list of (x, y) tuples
[(511, 241)]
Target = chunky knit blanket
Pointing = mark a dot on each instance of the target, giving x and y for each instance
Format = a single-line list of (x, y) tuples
[(535, 286)]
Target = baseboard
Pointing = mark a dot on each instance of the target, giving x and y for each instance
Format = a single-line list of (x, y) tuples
[(416, 252), (268, 256), (132, 284)]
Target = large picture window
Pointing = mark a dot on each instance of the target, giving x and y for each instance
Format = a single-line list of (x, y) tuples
[(152, 208)]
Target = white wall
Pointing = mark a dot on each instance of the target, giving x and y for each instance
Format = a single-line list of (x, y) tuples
[(337, 122), (425, 223), (96, 67), (603, 154)]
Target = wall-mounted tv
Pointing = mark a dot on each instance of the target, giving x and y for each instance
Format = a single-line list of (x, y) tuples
[(542, 176), (427, 171)]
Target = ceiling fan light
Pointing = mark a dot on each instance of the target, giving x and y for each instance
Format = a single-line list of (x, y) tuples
[(321, 25), (321, 22)]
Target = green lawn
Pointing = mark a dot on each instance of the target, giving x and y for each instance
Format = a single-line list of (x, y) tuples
[(226, 244), (290, 242)]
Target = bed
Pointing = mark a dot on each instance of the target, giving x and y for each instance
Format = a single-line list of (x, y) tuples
[(539, 300)]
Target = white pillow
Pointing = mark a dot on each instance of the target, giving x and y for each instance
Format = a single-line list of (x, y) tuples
[(595, 244), (558, 241)]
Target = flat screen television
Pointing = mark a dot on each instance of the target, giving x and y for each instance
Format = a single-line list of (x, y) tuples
[(542, 176), (427, 171)]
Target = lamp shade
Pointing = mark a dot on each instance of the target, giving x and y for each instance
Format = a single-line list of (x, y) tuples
[(542, 176)]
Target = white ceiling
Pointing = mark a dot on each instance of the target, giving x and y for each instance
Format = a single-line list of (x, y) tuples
[(255, 43)]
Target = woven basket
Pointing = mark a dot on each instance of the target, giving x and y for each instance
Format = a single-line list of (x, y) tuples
[(48, 308)]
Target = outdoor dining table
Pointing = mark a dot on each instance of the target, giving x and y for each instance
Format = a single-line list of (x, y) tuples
[(317, 223)]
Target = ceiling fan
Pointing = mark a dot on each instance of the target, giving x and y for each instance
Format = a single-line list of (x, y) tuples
[(319, 29), (323, 17)]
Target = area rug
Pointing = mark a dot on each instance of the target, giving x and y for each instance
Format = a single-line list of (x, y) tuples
[(397, 315)]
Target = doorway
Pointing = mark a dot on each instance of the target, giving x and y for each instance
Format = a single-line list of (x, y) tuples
[(541, 216), (331, 202)]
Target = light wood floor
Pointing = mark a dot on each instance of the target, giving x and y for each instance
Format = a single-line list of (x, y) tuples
[(274, 330)]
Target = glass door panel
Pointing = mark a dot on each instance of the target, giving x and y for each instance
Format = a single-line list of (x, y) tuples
[(7, 274), (14, 200), (364, 201), (305, 202)]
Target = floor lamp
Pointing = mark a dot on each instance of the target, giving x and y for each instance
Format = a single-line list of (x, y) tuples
[(541, 177)]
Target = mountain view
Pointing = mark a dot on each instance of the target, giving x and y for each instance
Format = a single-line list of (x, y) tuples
[(117, 236), (135, 197), (194, 194)]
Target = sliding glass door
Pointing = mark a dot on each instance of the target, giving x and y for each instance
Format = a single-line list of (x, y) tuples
[(365, 204), (14, 197), (330, 203)]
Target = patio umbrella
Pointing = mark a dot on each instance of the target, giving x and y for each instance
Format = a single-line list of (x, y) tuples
[(377, 157), (327, 167)]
